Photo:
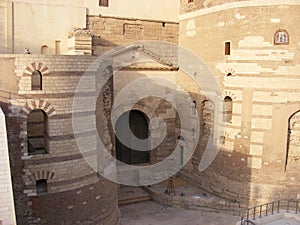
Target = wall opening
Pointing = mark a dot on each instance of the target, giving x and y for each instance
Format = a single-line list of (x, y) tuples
[(181, 148), (227, 48), (227, 109), (44, 50), (36, 80), (281, 37), (103, 3), (57, 48), (139, 127), (37, 132), (293, 140), (41, 186), (194, 107)]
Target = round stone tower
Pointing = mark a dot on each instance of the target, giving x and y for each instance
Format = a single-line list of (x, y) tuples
[(52, 182), (252, 49)]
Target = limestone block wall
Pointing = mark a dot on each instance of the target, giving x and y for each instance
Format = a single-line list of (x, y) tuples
[(75, 193), (109, 32), (7, 210), (261, 77), (152, 106)]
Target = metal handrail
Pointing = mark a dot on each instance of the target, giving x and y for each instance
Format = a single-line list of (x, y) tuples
[(247, 222), (269, 209)]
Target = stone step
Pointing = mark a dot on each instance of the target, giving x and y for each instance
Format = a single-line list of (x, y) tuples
[(134, 200), (130, 195)]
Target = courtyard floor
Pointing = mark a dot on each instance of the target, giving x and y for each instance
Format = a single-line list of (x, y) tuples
[(152, 213)]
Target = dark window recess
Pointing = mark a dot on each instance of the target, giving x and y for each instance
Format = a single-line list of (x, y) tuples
[(41, 186), (103, 3), (228, 109), (189, 1), (36, 80), (227, 48), (37, 132)]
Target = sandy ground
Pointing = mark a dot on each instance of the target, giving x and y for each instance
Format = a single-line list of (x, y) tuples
[(151, 213)]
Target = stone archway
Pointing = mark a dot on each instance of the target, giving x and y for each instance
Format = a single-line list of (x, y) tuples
[(139, 126), (293, 140)]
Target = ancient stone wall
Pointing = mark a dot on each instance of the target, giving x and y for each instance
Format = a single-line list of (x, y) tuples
[(259, 72), (72, 192), (109, 32), (151, 106)]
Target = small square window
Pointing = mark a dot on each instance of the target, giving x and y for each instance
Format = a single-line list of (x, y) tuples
[(41, 186), (103, 3), (189, 1)]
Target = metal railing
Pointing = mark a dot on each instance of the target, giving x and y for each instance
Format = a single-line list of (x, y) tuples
[(270, 208)]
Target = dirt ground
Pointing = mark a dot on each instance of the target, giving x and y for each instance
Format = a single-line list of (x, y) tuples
[(151, 213)]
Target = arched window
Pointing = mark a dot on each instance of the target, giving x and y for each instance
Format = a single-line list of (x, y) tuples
[(181, 149), (37, 132), (281, 37), (227, 109), (44, 50), (108, 71), (194, 107), (36, 80)]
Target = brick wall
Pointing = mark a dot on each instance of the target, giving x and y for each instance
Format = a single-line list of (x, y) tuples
[(67, 173), (264, 88), (109, 32)]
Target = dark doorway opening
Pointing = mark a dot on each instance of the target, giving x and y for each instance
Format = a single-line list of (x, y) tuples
[(139, 127)]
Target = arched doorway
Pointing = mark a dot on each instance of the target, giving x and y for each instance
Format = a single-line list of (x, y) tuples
[(140, 129), (293, 140)]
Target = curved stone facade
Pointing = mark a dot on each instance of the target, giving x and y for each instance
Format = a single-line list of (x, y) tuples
[(240, 43), (250, 47), (52, 182)]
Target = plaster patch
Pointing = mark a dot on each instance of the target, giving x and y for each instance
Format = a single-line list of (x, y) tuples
[(239, 16), (221, 24), (190, 28), (256, 150), (254, 162), (191, 33), (275, 20)]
